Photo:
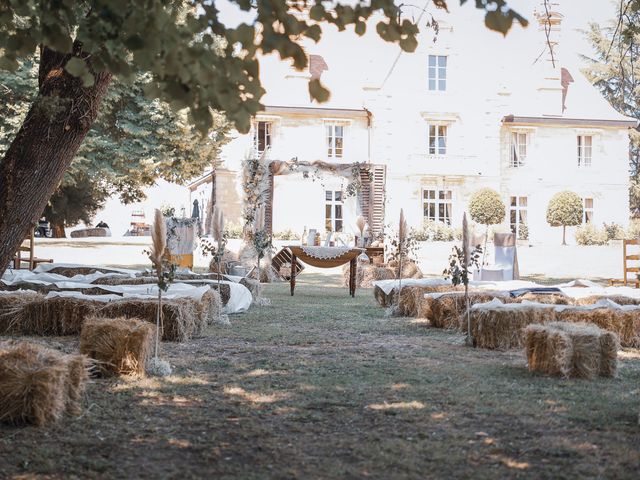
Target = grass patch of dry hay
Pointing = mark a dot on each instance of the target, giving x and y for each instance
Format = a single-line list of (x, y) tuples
[(120, 346), (38, 385), (448, 309), (502, 327), (571, 350), (624, 322), (619, 299), (182, 317)]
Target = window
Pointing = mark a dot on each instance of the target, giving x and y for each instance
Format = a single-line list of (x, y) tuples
[(587, 210), (333, 211), (517, 214), (437, 139), (262, 136), (335, 140), (585, 148), (437, 205), (518, 149), (437, 72)]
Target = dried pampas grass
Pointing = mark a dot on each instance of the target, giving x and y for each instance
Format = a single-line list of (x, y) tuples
[(502, 327), (120, 346), (39, 385), (571, 350)]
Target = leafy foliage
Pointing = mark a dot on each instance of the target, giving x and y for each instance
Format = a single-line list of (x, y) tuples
[(134, 142), (486, 207), (194, 60), (564, 209), (457, 271), (589, 234), (434, 231)]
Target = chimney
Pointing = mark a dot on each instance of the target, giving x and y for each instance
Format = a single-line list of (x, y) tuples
[(549, 85)]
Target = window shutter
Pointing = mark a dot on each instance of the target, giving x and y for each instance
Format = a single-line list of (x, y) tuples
[(373, 196)]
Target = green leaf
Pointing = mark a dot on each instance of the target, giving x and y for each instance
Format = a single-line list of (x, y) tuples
[(78, 68), (498, 21), (318, 92)]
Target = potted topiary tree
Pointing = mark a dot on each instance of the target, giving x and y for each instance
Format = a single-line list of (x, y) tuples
[(565, 210), (486, 208)]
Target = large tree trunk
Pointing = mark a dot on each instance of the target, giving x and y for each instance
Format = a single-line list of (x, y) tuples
[(57, 230), (45, 145)]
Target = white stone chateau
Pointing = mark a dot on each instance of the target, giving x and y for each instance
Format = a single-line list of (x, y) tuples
[(435, 126)]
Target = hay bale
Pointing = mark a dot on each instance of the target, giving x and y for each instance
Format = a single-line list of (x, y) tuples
[(571, 350), (547, 298), (410, 269), (448, 310), (252, 285), (211, 307), (382, 298), (366, 274), (38, 385), (55, 316), (78, 270), (623, 321), (10, 306), (619, 299), (120, 346), (228, 258), (501, 326), (120, 280), (180, 316)]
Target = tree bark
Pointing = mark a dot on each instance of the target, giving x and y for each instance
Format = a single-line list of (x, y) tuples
[(57, 230), (564, 235), (45, 145)]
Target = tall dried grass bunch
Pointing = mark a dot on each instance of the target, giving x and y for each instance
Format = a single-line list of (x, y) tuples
[(120, 346), (39, 385), (571, 350)]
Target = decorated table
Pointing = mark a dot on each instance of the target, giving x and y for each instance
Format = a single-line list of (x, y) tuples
[(325, 257)]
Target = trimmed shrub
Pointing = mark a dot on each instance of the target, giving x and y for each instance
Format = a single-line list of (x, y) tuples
[(486, 207), (523, 232), (591, 235), (634, 229), (287, 235), (234, 231), (614, 231), (564, 210), (433, 231)]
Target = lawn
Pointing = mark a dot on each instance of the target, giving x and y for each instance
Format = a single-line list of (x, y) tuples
[(324, 386)]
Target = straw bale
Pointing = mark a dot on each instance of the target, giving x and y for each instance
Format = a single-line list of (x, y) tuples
[(408, 300), (38, 385), (55, 316), (120, 346), (210, 306), (10, 306), (120, 280), (367, 274), (571, 350), (547, 298), (448, 310), (410, 269), (227, 258), (79, 270), (619, 299), (252, 285), (625, 323), (382, 298), (503, 328)]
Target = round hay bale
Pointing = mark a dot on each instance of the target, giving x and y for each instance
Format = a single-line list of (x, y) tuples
[(120, 346)]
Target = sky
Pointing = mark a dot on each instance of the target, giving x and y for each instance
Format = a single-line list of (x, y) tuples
[(577, 16)]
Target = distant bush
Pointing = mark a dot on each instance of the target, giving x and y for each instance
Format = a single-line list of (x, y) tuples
[(614, 231), (589, 234), (433, 231), (634, 229), (234, 231), (287, 235), (486, 207)]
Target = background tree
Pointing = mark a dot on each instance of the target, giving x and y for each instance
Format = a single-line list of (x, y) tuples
[(133, 142), (83, 45), (486, 208), (565, 209), (615, 71)]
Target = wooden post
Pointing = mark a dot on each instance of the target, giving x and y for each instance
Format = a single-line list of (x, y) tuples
[(292, 280)]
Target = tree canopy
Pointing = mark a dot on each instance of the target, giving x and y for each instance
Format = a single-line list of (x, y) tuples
[(486, 207), (177, 43)]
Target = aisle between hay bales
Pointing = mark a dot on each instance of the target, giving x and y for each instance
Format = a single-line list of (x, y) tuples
[(323, 385)]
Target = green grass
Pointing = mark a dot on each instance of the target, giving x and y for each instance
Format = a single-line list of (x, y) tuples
[(321, 385)]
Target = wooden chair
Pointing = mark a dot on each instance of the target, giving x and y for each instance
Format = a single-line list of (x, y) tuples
[(30, 259), (628, 265)]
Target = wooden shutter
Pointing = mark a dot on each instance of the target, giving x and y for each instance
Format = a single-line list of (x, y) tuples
[(373, 197)]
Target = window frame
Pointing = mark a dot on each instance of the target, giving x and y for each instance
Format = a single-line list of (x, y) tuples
[(588, 219), (584, 160), (268, 136), (437, 73), (336, 200), (517, 160), (438, 200), (518, 209), (331, 138), (439, 145)]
